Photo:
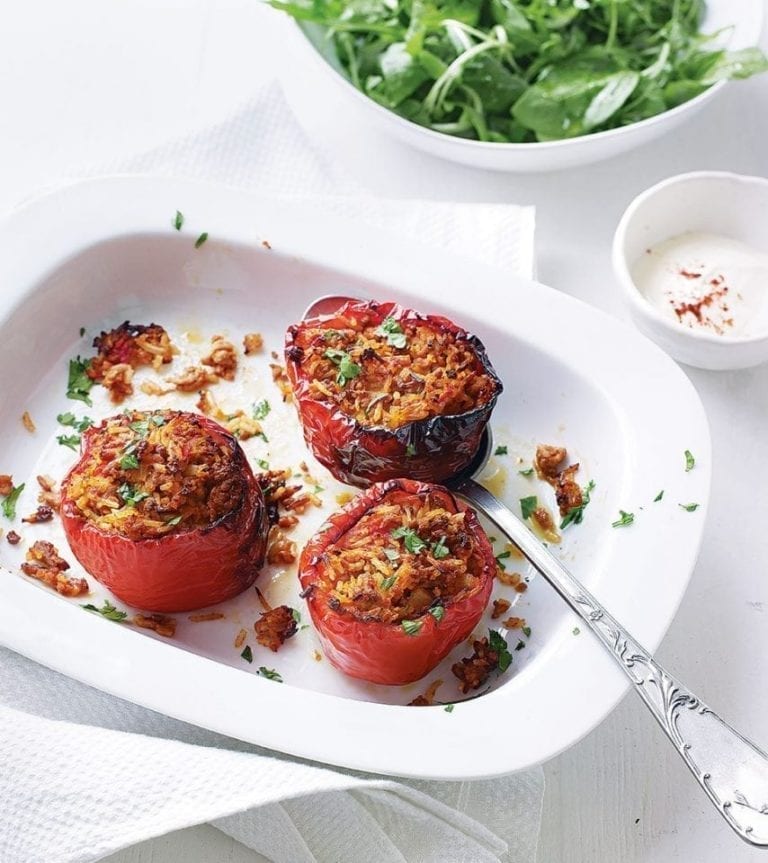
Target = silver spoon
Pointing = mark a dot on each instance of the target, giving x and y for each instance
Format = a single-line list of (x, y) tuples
[(732, 771)]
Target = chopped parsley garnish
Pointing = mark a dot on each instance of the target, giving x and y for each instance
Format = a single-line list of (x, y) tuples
[(347, 368), (78, 383), (392, 554), (247, 653), (270, 674), (264, 465), (440, 549), (520, 644), (263, 437), (528, 505), (624, 519), (261, 409), (130, 495), (448, 708), (317, 489), (501, 450), (71, 440), (107, 610), (659, 496), (201, 239), (9, 504), (527, 472), (174, 521), (527, 631), (69, 419), (689, 507), (178, 220), (411, 627), (393, 331), (410, 450), (413, 542), (576, 513), (498, 644), (576, 630), (82, 332), (129, 461), (296, 615), (503, 556), (330, 334), (438, 612), (690, 461), (387, 582)]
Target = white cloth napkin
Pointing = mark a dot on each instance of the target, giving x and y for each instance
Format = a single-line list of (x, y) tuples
[(83, 774)]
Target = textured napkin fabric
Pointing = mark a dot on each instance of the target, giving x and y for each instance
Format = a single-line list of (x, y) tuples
[(83, 774)]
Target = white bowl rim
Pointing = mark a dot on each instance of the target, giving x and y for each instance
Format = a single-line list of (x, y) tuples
[(528, 147), (627, 283)]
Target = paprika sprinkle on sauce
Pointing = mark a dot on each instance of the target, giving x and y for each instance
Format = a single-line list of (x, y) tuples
[(707, 283)]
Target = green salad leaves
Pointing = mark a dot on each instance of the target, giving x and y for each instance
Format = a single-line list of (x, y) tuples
[(525, 70)]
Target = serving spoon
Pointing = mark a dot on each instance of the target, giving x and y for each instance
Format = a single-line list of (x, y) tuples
[(732, 770)]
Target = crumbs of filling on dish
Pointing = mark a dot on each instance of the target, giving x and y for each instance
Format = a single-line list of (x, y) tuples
[(428, 372), (474, 670), (124, 349), (375, 575), (44, 563), (146, 474), (428, 698)]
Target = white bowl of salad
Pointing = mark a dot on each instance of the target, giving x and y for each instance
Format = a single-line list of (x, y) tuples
[(526, 85)]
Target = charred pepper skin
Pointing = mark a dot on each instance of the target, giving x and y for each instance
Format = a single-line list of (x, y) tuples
[(380, 652), (180, 571), (429, 450)]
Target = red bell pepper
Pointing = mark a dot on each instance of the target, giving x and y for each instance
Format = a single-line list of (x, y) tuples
[(190, 566), (366, 342), (376, 643)]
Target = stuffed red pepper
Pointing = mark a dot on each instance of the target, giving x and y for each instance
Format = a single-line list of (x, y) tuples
[(384, 392), (163, 509), (396, 579)]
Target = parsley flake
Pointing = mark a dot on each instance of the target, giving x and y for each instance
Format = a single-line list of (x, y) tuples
[(130, 495), (347, 368), (394, 333), (438, 612), (527, 631), (129, 461), (412, 627), (264, 465), (624, 519), (78, 383), (501, 450), (689, 507), (178, 220), (498, 644), (261, 409), (576, 630), (9, 504), (410, 450), (82, 332), (72, 441), (247, 653), (270, 674), (448, 708), (576, 513), (412, 541), (296, 615), (528, 505), (387, 582), (107, 610), (503, 556), (690, 461), (69, 419), (527, 472), (440, 549), (174, 521), (201, 239), (659, 496)]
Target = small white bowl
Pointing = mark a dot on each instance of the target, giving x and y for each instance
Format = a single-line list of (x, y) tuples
[(711, 202), (313, 72)]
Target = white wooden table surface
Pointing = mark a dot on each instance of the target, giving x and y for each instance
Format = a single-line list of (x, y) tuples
[(89, 81)]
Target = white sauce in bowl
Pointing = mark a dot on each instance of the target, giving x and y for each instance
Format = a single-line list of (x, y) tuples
[(708, 283)]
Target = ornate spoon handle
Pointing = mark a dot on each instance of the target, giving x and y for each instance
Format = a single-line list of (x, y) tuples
[(732, 771)]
